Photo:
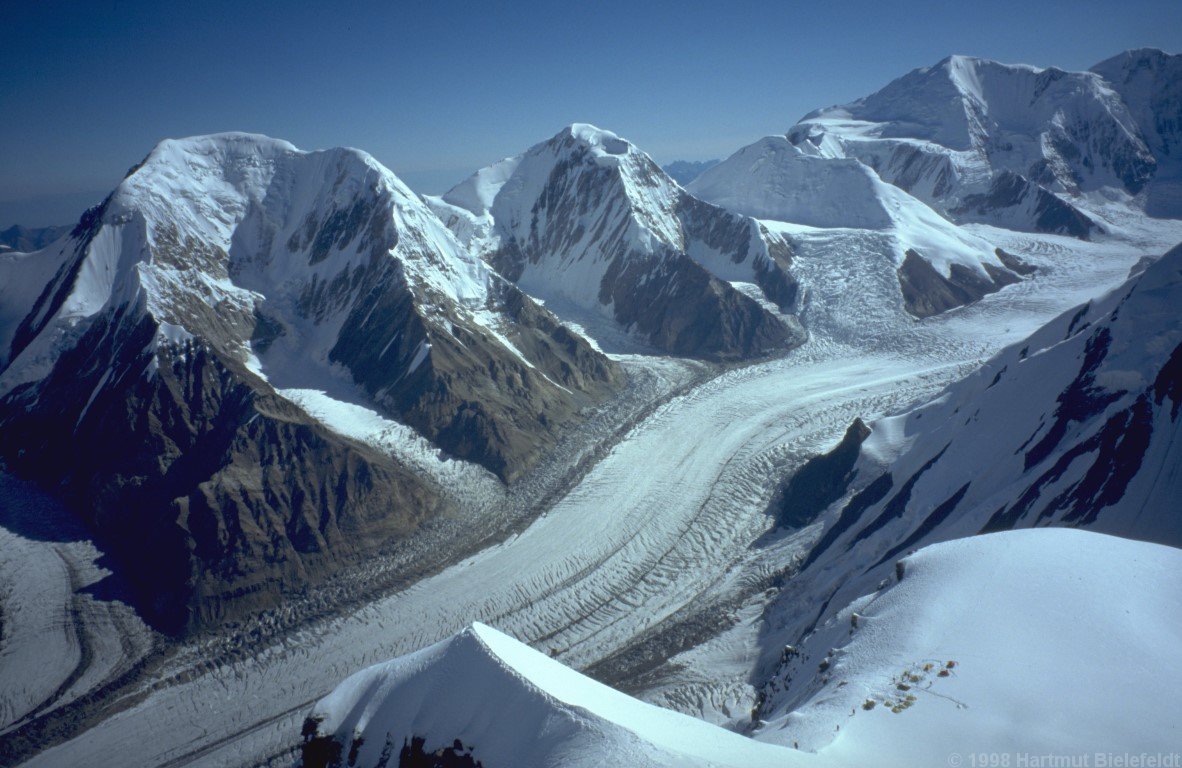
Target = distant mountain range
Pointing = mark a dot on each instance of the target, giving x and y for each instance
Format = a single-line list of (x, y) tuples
[(685, 171), (24, 239)]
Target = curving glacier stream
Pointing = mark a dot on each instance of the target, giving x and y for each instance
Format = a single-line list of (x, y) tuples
[(651, 553)]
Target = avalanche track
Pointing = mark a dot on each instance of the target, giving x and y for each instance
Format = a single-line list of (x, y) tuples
[(662, 525)]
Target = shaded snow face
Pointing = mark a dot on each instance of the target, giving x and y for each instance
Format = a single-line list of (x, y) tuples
[(1149, 82)]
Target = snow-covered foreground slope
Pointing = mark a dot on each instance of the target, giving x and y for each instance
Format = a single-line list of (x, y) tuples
[(586, 219), (511, 705), (1027, 642), (1018, 643)]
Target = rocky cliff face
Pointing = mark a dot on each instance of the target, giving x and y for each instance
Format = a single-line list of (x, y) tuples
[(155, 371), (588, 220), (1149, 82)]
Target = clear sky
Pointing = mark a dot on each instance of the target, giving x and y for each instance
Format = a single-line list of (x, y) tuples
[(436, 89)]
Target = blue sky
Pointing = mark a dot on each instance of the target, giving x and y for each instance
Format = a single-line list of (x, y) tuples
[(437, 89)]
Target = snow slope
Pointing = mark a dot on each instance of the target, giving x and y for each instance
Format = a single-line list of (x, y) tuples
[(1076, 425), (1020, 642), (774, 179), (511, 705), (1030, 642)]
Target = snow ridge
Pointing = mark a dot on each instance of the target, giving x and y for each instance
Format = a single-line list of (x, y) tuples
[(514, 706)]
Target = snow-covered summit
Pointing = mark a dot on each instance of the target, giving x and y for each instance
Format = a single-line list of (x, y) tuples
[(586, 220), (939, 265), (1018, 117), (773, 179), (233, 179)]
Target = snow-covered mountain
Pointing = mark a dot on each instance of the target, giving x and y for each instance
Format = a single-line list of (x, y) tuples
[(1150, 83), (909, 672), (27, 239), (939, 265), (188, 363), (588, 223), (685, 171), (983, 141)]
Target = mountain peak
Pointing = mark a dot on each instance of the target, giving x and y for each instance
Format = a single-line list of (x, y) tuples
[(587, 220), (595, 139), (1137, 55)]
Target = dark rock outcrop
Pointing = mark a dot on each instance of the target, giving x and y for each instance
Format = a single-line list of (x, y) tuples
[(1024, 205), (926, 292), (821, 481)]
